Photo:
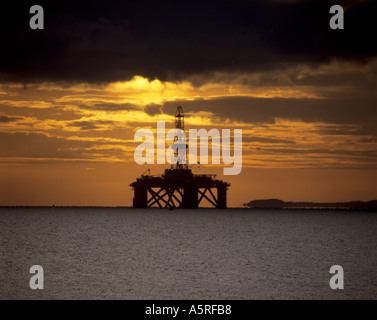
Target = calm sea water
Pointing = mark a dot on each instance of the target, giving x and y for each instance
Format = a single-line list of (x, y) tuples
[(123, 253)]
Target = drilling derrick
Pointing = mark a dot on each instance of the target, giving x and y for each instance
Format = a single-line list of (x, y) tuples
[(180, 126), (178, 187)]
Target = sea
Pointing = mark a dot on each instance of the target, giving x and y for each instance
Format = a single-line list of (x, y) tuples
[(205, 254)]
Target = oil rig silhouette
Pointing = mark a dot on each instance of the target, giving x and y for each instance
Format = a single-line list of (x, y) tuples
[(178, 187)]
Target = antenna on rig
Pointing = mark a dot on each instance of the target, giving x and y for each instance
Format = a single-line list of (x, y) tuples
[(180, 124), (179, 118)]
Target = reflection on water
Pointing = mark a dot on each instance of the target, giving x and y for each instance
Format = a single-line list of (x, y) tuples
[(124, 253)]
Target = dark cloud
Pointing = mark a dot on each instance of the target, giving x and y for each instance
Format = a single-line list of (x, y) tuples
[(153, 109), (266, 140), (367, 155), (89, 125), (344, 131), (100, 41), (364, 80), (109, 106), (368, 140), (6, 119), (356, 111), (37, 145)]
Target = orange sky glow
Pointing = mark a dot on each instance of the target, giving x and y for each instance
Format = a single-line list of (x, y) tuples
[(72, 143)]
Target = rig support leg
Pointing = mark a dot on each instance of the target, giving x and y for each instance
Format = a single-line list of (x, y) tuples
[(221, 197), (140, 198)]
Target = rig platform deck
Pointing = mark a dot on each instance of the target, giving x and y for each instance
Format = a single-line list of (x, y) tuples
[(179, 188)]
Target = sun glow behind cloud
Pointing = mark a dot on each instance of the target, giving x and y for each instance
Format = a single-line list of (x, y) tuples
[(106, 116)]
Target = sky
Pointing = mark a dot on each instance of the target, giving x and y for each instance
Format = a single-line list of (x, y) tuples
[(73, 95)]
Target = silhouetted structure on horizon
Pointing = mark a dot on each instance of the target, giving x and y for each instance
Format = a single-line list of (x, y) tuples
[(178, 187), (280, 204)]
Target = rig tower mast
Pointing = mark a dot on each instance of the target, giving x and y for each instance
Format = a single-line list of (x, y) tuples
[(180, 125)]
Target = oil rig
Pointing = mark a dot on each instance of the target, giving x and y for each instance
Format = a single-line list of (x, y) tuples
[(178, 187)]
